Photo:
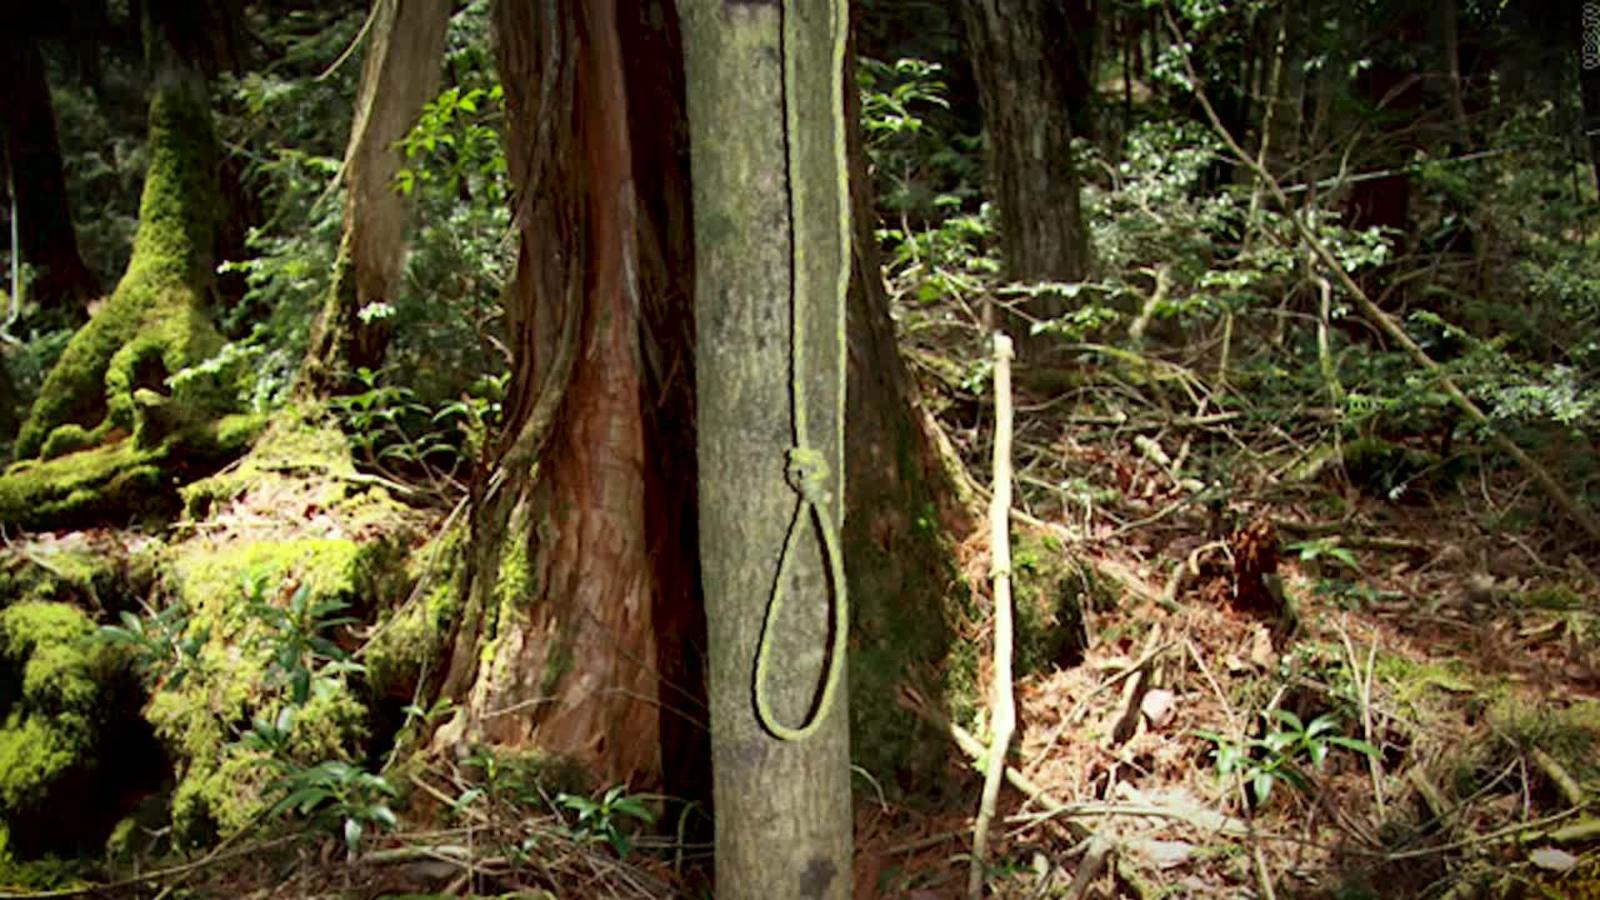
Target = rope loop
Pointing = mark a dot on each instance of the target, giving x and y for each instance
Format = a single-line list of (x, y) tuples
[(807, 470)]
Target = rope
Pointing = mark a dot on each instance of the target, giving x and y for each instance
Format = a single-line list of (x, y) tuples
[(807, 469)]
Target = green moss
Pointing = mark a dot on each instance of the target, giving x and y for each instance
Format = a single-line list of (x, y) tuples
[(52, 683), (68, 438), (1559, 597), (1049, 592), (153, 324), (1569, 733), (220, 786), (72, 568), (79, 486), (1383, 468), (294, 443)]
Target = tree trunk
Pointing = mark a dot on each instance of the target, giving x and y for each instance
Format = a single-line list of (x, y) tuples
[(769, 253), (582, 546), (400, 75), (1022, 56), (1450, 27), (154, 323), (49, 242), (900, 506)]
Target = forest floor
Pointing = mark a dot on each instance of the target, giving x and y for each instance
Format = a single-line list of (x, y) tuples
[(1285, 682)]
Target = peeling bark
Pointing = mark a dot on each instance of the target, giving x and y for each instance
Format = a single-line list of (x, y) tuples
[(575, 563)]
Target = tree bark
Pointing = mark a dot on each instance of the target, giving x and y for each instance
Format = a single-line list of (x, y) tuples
[(900, 508), (767, 217), (1022, 54), (582, 546), (400, 75), (49, 241)]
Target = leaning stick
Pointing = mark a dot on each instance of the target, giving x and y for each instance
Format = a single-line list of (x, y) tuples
[(1004, 717)]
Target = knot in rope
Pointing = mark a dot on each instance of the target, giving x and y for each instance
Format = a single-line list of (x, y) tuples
[(808, 473)]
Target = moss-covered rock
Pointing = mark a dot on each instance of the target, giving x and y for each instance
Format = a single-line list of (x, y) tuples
[(410, 639), (118, 481), (1049, 593), (87, 569), (202, 717), (63, 698)]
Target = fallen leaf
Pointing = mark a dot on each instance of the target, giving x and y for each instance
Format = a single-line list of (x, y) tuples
[(1157, 706), (1553, 860), (1164, 854)]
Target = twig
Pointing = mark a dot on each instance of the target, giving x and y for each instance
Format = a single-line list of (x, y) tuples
[(1133, 690), (1004, 717), (216, 856), (1363, 682), (1094, 862), (1570, 790)]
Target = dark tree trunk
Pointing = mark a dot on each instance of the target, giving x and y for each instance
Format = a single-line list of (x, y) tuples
[(1027, 72), (1393, 95), (49, 242), (900, 507), (1079, 25)]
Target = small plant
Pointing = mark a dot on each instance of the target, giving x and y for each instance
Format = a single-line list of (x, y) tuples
[(1324, 548), (301, 655), (340, 798), (1281, 753), (602, 819), (161, 652)]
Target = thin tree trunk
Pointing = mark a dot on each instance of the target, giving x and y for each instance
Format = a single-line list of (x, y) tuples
[(49, 241), (769, 252), (1587, 22), (1452, 54), (400, 75)]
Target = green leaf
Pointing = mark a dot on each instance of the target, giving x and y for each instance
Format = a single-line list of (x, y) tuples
[(1356, 744), (352, 835), (1262, 785), (1288, 718)]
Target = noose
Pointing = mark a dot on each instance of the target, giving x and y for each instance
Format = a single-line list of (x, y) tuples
[(807, 469)]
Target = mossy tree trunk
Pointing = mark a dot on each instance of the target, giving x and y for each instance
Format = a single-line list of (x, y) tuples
[(33, 157), (154, 323), (400, 75), (582, 597), (1029, 68), (768, 246), (901, 505)]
